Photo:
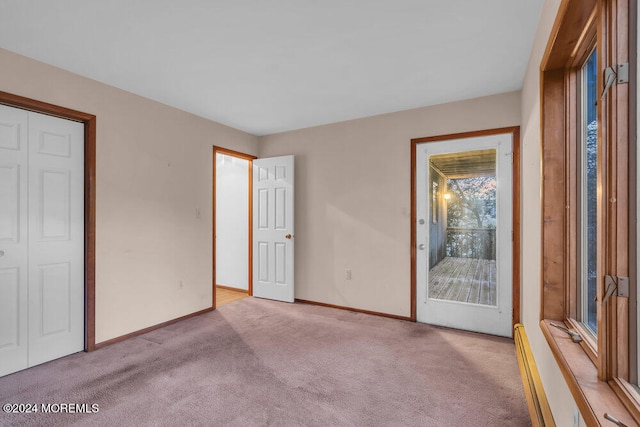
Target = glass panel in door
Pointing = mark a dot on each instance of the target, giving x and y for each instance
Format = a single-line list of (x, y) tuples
[(462, 230)]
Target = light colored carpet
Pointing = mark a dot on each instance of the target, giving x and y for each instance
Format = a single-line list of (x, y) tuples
[(259, 362)]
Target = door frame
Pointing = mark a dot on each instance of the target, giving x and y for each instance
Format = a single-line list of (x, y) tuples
[(250, 159), (89, 121), (515, 136)]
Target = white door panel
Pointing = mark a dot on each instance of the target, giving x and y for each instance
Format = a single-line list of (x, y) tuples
[(13, 239), (464, 272), (273, 231), (41, 238), (56, 237)]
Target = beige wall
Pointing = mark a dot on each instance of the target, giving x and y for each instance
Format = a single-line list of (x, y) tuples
[(353, 198), (560, 399), (153, 172)]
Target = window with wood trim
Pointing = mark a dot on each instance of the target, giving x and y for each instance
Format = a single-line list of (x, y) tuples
[(588, 222), (587, 193)]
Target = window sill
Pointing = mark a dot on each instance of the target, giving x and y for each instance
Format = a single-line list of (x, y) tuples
[(593, 397)]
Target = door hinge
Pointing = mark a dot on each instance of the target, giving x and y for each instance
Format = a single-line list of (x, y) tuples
[(616, 74), (615, 286)]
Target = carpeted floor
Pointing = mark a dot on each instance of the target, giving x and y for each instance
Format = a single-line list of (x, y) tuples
[(259, 362)]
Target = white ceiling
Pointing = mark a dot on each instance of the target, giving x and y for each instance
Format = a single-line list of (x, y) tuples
[(271, 66)]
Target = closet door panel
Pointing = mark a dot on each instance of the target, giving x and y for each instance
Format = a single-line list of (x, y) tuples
[(56, 238), (13, 239)]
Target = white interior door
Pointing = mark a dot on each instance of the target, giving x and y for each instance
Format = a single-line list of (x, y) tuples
[(13, 240), (41, 238), (464, 233), (56, 238), (273, 232)]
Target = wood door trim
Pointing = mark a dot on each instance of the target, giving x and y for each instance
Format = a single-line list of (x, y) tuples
[(515, 132), (250, 159), (89, 121), (233, 153)]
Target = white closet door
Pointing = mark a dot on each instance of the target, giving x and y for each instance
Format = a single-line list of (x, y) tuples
[(13, 240), (56, 238)]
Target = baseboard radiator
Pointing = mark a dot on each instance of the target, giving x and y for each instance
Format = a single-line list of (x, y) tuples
[(536, 398)]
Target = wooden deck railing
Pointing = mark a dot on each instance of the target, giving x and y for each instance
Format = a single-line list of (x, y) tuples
[(479, 243)]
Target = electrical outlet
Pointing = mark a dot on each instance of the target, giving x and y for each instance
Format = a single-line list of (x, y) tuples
[(347, 274), (576, 417)]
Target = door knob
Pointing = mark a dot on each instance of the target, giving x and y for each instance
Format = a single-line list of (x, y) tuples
[(421, 247), (288, 236)]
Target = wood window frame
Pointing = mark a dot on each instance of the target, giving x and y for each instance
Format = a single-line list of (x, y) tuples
[(250, 159), (89, 121), (597, 371)]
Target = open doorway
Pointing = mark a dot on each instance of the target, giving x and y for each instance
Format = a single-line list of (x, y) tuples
[(232, 226)]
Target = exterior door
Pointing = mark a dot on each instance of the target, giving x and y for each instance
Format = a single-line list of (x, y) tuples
[(273, 231), (464, 233), (41, 238)]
